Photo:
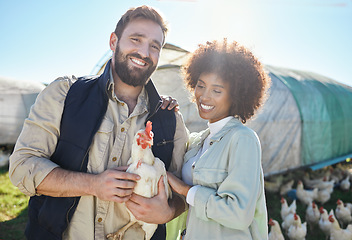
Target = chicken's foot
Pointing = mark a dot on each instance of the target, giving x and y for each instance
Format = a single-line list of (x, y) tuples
[(119, 234)]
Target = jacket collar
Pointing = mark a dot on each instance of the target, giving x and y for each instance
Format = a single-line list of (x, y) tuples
[(234, 122)]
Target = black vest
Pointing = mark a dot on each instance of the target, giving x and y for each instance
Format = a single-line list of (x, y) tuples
[(85, 106)]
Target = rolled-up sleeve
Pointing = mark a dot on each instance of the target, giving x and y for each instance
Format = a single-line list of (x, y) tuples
[(233, 204), (30, 162)]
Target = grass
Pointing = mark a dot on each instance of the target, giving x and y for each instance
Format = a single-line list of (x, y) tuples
[(13, 209)]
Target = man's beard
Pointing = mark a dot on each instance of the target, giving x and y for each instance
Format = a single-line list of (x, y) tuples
[(132, 75)]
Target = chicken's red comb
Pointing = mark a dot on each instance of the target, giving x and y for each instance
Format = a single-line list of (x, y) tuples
[(148, 130), (271, 222), (148, 127)]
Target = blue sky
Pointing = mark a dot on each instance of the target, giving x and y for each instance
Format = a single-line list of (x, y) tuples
[(42, 40)]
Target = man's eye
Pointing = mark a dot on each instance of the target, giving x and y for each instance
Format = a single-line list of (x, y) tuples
[(156, 47)]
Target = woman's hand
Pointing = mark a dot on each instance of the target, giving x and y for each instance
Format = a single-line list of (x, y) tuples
[(169, 103), (177, 185)]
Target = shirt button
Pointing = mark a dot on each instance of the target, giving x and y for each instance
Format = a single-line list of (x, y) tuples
[(211, 143), (122, 104), (100, 219), (114, 159), (122, 129)]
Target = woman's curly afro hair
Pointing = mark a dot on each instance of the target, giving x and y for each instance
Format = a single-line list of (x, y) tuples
[(236, 65)]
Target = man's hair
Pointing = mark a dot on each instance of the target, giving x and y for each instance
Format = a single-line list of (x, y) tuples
[(236, 65), (142, 12)]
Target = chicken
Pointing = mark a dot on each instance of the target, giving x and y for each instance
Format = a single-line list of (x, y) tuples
[(275, 231), (343, 214), (324, 195), (325, 184), (337, 233), (345, 184), (297, 230), (273, 186), (285, 188), (285, 209), (287, 222), (320, 183), (320, 174), (312, 215), (150, 169), (349, 206), (311, 183), (324, 223), (337, 173), (305, 196)]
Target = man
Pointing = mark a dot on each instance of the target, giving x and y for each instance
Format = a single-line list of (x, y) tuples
[(72, 153)]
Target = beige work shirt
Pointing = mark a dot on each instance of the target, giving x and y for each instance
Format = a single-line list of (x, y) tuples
[(111, 147)]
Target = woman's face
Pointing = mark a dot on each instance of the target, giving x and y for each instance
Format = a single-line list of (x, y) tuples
[(212, 97)]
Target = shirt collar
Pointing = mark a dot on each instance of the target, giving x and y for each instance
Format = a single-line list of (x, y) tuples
[(218, 125), (142, 101)]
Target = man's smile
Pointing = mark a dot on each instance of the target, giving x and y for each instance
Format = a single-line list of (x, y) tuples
[(138, 62)]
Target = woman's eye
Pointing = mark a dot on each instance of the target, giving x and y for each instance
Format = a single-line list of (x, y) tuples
[(199, 86), (217, 91), (135, 39)]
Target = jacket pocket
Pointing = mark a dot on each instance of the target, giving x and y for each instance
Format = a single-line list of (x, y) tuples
[(209, 177), (101, 146)]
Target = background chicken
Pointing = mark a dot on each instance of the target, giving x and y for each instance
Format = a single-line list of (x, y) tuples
[(337, 233), (285, 209), (275, 230), (324, 223), (312, 215), (297, 230), (285, 188), (343, 214), (150, 169), (305, 196), (345, 184), (324, 195), (288, 221)]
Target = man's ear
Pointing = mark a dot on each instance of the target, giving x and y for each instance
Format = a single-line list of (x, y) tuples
[(113, 41)]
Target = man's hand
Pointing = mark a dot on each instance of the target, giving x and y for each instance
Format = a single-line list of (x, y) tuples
[(115, 184), (169, 103), (111, 185), (152, 210)]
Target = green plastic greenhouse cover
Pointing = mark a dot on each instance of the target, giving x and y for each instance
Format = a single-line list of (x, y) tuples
[(326, 115)]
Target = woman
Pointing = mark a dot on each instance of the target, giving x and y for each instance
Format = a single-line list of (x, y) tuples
[(222, 174)]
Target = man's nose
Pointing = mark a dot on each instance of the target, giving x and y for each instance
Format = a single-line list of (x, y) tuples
[(144, 50)]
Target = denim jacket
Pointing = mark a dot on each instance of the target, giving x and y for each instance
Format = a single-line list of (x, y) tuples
[(230, 202)]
